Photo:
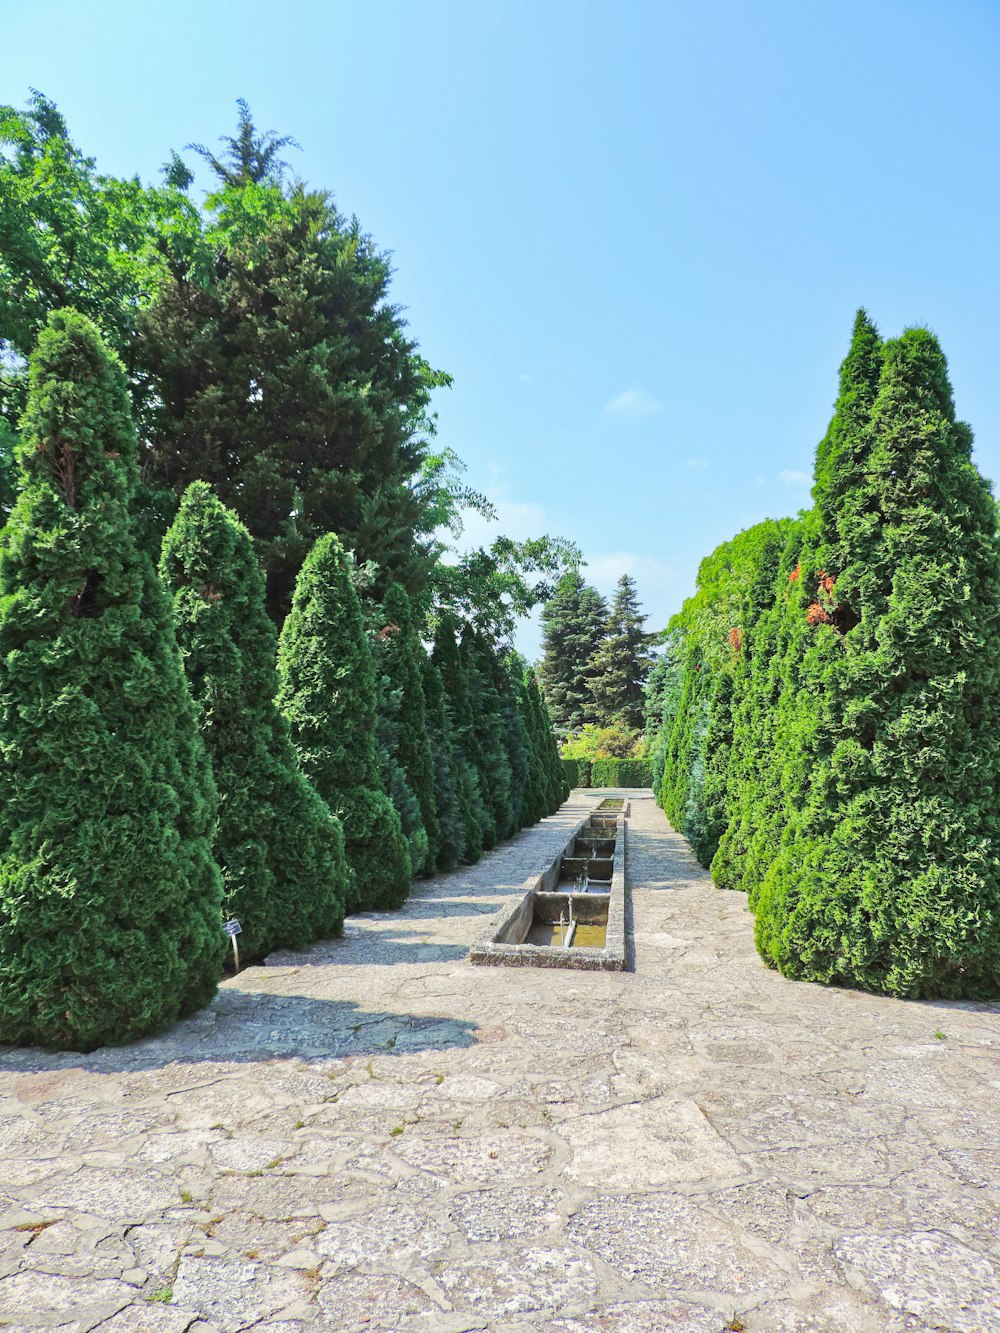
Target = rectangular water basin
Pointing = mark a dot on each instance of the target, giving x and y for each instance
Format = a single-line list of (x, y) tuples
[(529, 934)]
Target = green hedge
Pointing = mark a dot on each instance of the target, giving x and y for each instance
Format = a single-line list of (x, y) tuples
[(577, 772), (621, 773)]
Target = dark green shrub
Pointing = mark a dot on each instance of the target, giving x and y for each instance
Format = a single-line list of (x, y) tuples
[(621, 773), (477, 820), (280, 849), (399, 657), (496, 779), (327, 693), (577, 772), (507, 673), (547, 785), (888, 876), (448, 773), (110, 899)]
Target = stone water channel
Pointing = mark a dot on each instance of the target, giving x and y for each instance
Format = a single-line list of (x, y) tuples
[(378, 1135), (572, 913)]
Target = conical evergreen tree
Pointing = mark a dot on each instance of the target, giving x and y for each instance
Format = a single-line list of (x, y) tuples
[(280, 849), (447, 773), (889, 873), (548, 787), (327, 692), (755, 807), (477, 818), (535, 801), (109, 896), (507, 676), (399, 656), (490, 729), (573, 622), (622, 661), (783, 710)]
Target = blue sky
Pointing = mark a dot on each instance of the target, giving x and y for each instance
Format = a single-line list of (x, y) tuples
[(635, 233)]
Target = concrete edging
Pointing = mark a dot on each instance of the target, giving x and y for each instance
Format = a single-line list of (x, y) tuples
[(494, 947)]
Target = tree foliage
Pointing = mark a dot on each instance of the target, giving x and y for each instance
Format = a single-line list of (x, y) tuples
[(573, 625), (280, 849), (327, 693), (109, 895), (621, 662), (399, 657), (847, 745)]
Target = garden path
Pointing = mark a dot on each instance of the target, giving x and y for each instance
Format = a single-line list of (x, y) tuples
[(377, 1135)]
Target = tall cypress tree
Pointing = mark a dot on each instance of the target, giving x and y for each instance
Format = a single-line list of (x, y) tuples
[(399, 656), (109, 896), (327, 693), (622, 661), (490, 730), (477, 818), (548, 786), (755, 806), (889, 874), (280, 849), (573, 622), (507, 674), (448, 774)]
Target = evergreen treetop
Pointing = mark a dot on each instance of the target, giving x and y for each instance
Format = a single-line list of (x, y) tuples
[(573, 625), (621, 663)]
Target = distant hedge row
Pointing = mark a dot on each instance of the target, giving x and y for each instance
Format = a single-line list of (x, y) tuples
[(608, 772), (827, 716)]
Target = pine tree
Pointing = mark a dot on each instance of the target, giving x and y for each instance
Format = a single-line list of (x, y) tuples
[(280, 849), (620, 665), (448, 775), (327, 692), (491, 733), (477, 819), (889, 874), (573, 623), (109, 896), (399, 657)]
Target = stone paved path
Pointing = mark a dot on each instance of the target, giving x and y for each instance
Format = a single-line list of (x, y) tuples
[(377, 1135)]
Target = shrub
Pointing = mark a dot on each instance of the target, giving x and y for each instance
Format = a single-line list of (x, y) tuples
[(280, 849), (621, 773), (888, 876), (327, 693), (109, 895), (577, 772), (478, 826), (399, 656)]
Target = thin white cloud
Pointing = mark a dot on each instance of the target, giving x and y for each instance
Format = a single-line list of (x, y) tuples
[(635, 404), (525, 379), (793, 478), (697, 462)]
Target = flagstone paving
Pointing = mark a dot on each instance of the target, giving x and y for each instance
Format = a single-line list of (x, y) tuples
[(377, 1135)]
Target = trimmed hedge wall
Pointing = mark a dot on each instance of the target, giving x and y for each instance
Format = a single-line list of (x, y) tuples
[(577, 772), (621, 773)]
